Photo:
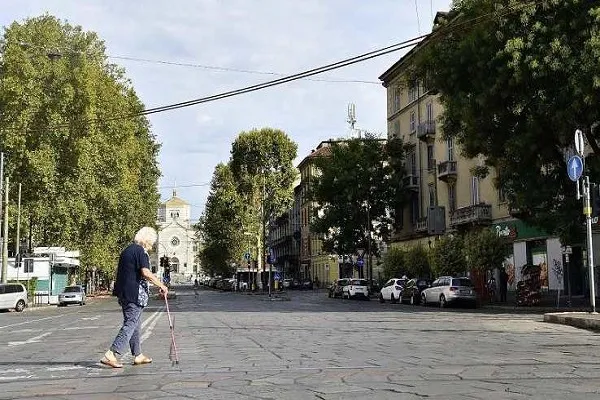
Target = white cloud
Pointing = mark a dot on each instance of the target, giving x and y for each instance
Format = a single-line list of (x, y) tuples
[(265, 35)]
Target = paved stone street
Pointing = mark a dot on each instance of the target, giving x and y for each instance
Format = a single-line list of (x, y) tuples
[(235, 346)]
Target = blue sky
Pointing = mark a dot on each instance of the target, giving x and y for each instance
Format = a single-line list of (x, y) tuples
[(261, 35)]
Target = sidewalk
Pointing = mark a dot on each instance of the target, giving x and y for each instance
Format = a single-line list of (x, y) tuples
[(583, 320)]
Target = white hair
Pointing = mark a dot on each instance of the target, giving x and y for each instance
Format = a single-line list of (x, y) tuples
[(146, 237)]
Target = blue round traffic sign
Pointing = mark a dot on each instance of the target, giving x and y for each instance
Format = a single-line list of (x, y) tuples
[(575, 168)]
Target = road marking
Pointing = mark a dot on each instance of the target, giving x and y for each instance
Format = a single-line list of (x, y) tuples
[(77, 328), (91, 318), (6, 378), (149, 319), (33, 320), (14, 371), (64, 368), (35, 339), (148, 332)]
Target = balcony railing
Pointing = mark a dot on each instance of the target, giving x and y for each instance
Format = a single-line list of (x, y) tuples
[(475, 214), (411, 182), (426, 130), (421, 225), (447, 170)]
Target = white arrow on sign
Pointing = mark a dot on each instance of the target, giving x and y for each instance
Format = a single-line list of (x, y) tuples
[(579, 146)]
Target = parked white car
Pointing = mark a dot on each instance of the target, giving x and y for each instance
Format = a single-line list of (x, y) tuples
[(356, 288), (392, 290), (13, 296), (446, 289), (72, 295)]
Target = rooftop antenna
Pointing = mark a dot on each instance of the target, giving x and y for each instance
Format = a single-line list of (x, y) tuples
[(352, 116)]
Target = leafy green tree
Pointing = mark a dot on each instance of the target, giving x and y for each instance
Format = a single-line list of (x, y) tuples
[(358, 187), (394, 263), (448, 257), (515, 85), (417, 262), (262, 166), (220, 226), (485, 250), (89, 179)]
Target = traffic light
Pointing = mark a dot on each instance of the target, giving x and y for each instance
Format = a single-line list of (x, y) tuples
[(595, 199)]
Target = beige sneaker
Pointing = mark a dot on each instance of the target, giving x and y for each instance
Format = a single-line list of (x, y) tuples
[(111, 360)]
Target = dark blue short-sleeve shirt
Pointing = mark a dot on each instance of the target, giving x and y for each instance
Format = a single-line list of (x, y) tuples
[(129, 272)]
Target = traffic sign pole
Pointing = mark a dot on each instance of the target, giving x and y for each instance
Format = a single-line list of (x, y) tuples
[(587, 209)]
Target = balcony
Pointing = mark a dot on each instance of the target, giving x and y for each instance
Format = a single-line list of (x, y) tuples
[(411, 182), (475, 215), (421, 225), (426, 131), (447, 171)]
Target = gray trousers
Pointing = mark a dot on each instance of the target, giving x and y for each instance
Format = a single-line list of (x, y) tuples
[(130, 331)]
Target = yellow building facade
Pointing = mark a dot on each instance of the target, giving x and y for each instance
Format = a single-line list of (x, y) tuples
[(438, 176)]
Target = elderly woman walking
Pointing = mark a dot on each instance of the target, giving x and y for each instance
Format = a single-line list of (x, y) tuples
[(131, 288)]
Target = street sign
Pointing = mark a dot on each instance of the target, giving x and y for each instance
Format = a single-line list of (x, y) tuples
[(247, 256), (360, 252), (277, 276), (360, 263), (567, 250), (579, 142), (575, 168)]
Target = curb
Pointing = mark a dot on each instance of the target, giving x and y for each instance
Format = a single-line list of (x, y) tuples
[(582, 320)]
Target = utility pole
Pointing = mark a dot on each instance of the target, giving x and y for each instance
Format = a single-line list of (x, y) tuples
[(1, 188), (18, 255), (5, 236), (575, 168)]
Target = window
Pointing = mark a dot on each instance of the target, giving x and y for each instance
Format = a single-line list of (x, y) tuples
[(431, 195), (452, 197), (412, 91), (429, 112), (412, 159), (450, 145), (396, 129), (28, 265), (175, 214), (175, 241), (414, 210), (474, 190), (501, 196), (430, 159), (397, 94), (413, 122)]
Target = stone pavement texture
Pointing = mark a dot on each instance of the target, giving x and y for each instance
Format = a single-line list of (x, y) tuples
[(233, 346)]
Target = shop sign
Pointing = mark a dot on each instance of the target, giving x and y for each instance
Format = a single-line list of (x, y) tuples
[(506, 231), (517, 230)]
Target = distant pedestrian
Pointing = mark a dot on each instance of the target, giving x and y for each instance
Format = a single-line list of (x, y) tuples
[(503, 284), (131, 288)]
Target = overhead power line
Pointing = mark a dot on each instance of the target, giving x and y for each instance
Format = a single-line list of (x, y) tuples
[(229, 69), (319, 70)]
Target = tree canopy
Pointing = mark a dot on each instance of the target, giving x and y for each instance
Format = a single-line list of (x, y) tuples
[(515, 84), (89, 179), (259, 175), (221, 225), (358, 186)]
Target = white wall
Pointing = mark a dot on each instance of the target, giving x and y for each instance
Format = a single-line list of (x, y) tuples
[(520, 253), (555, 261)]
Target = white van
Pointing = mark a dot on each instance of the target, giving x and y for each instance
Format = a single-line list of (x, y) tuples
[(13, 295)]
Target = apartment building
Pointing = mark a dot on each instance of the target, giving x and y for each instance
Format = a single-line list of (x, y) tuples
[(315, 263), (446, 193)]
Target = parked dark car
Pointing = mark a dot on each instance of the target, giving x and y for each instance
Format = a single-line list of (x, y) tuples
[(335, 290), (412, 290), (307, 284)]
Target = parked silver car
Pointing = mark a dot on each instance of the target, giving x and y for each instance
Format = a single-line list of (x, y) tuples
[(72, 295), (446, 289)]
